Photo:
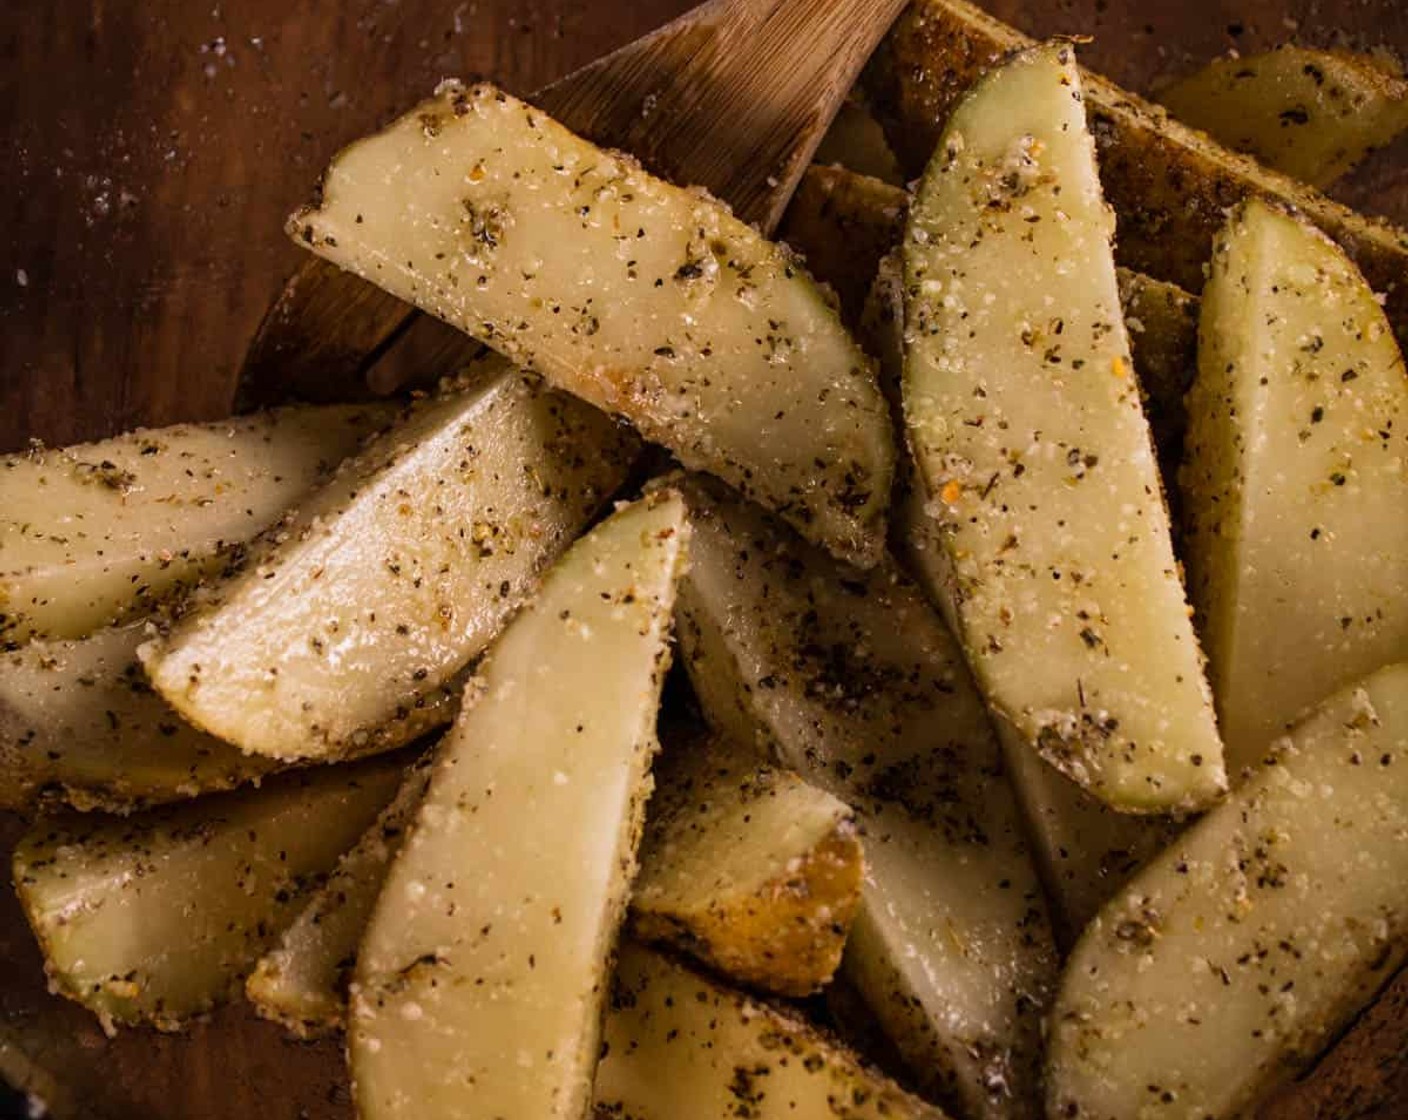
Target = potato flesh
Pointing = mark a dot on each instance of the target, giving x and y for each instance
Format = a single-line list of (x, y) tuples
[(80, 724), (480, 985), (678, 1046), (1083, 849), (157, 917), (100, 532), (853, 681), (650, 301), (1170, 185), (1294, 479), (347, 631), (1030, 440), (1309, 113), (302, 981), (772, 909), (748, 868), (1231, 959)]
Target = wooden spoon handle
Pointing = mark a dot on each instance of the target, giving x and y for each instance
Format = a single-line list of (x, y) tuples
[(733, 96)]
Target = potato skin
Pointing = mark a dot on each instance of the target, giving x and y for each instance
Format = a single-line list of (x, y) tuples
[(747, 868)]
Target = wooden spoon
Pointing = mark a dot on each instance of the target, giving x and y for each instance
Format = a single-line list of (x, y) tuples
[(733, 96)]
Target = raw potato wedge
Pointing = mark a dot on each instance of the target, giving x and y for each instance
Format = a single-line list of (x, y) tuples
[(852, 680), (648, 300), (80, 724), (1034, 455), (1293, 480), (1084, 850), (748, 868), (1311, 114), (845, 224), (1170, 185), (1295, 487), (482, 977), (157, 917), (856, 140), (777, 926), (302, 981), (99, 533), (1229, 961), (346, 631), (678, 1046)]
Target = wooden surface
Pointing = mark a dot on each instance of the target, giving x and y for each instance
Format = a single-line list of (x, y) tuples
[(152, 149)]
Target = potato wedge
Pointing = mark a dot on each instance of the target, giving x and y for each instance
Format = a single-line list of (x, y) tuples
[(648, 300), (157, 917), (79, 724), (100, 532), (1170, 185), (856, 140), (678, 1046), (852, 680), (1227, 962), (345, 632), (1309, 113), (1036, 461), (1084, 850), (777, 926), (302, 981), (1294, 482), (482, 977), (748, 868)]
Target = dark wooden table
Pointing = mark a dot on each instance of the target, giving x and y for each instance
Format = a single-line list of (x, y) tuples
[(151, 149)]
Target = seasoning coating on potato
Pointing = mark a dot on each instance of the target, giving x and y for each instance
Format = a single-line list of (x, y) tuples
[(1170, 185), (101, 532), (648, 300), (1228, 962), (850, 225), (302, 981), (80, 724), (742, 865), (1083, 849), (482, 977), (346, 629), (852, 680), (1295, 478), (1312, 114), (747, 867), (1029, 437), (678, 1046), (157, 917)]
